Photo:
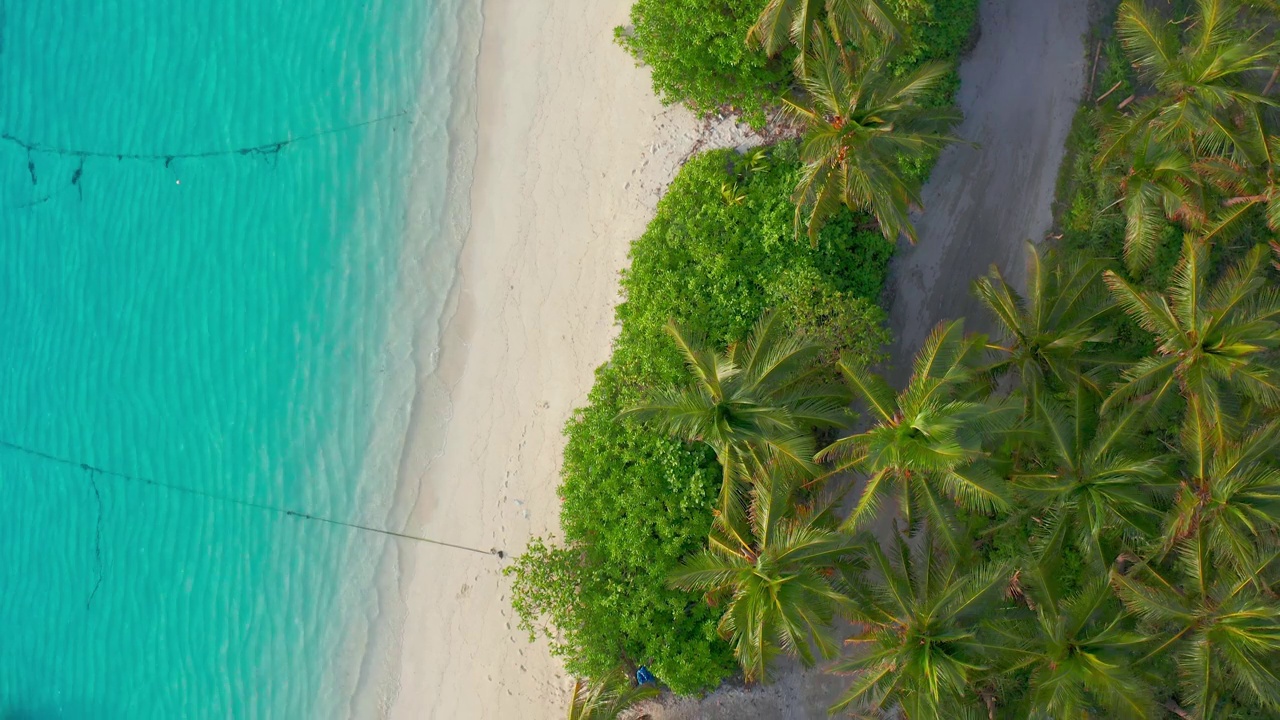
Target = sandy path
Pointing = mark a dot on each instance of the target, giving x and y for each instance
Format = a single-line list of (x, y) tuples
[(1020, 88), (1019, 91), (573, 153)]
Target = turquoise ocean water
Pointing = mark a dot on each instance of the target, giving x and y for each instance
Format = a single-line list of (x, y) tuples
[(247, 324)]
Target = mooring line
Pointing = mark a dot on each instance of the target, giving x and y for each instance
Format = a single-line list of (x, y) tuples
[(269, 148), (91, 469), (97, 543)]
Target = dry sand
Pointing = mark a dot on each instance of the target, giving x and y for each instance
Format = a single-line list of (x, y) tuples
[(573, 153)]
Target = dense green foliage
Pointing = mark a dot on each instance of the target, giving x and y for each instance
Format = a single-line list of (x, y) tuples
[(864, 123), (872, 87), (717, 255), (1067, 551), (699, 56), (1109, 521), (934, 31)]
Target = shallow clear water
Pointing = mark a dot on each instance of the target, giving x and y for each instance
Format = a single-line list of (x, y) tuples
[(240, 323)]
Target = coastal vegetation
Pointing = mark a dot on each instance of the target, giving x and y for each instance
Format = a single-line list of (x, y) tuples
[(697, 55), (605, 698), (864, 125), (636, 501), (1066, 548), (1078, 516), (740, 56), (719, 254)]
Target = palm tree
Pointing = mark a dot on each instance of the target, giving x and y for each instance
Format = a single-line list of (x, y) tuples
[(1247, 180), (606, 698), (1214, 343), (1201, 127), (927, 441), (861, 122), (918, 645), (1159, 184), (1222, 625), (1230, 492), (783, 585), (792, 21), (1090, 480), (1077, 648), (755, 405), (1199, 75), (1048, 334)]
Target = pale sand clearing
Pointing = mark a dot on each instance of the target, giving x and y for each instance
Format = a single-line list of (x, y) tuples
[(573, 153)]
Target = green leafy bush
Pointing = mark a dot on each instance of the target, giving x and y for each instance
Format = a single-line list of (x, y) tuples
[(636, 502), (699, 56), (935, 30)]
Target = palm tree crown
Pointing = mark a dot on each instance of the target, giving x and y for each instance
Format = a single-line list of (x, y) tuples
[(1222, 625), (1214, 343), (793, 21), (783, 584), (1200, 131), (1078, 647), (861, 121), (1048, 334), (1091, 479), (927, 440), (755, 405), (1198, 74), (1230, 491), (918, 646), (1159, 183)]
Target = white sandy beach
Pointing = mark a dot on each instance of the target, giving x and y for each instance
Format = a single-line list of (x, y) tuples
[(573, 153)]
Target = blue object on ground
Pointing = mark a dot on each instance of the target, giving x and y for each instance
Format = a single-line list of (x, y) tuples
[(644, 677)]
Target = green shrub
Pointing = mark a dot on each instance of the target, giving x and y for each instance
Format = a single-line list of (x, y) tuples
[(935, 30), (698, 53), (845, 322), (636, 502)]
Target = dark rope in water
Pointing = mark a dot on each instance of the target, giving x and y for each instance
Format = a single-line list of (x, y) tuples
[(270, 148), (237, 501), (97, 542), (75, 183), (33, 203), (269, 151)]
